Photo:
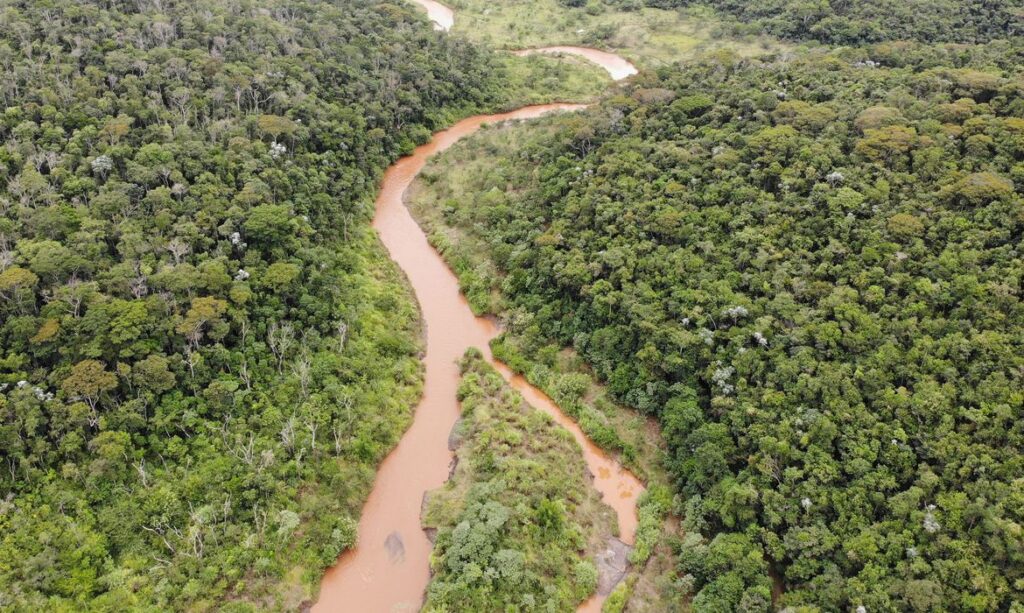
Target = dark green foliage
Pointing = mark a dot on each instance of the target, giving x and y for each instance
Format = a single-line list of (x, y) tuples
[(203, 350), (809, 269), (864, 21)]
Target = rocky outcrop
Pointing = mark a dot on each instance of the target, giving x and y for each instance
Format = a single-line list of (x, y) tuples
[(396, 547), (455, 437), (612, 564)]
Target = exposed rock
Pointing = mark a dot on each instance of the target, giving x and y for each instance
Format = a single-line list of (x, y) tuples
[(612, 564), (423, 506), (454, 441), (431, 535), (395, 547), (455, 437), (431, 532)]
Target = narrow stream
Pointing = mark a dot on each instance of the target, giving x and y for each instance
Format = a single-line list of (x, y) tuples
[(389, 568), (442, 16), (616, 65)]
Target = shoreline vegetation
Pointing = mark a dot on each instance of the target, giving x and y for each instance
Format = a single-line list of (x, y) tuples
[(636, 441), (420, 462)]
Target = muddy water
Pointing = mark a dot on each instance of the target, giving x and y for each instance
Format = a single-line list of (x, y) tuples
[(442, 16), (389, 569), (617, 66)]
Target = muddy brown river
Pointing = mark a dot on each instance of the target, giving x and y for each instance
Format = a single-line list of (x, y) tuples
[(389, 570), (442, 16), (617, 66)]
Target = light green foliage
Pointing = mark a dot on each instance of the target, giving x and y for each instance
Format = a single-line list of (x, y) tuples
[(648, 35), (567, 390), (519, 518), (654, 504), (616, 601), (535, 79)]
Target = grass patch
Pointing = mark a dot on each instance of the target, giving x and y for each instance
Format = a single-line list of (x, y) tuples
[(648, 36), (538, 79)]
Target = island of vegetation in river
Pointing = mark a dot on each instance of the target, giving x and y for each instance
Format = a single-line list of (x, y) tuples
[(518, 522)]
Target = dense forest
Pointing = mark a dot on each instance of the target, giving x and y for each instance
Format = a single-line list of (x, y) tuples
[(204, 351), (808, 267), (845, 22)]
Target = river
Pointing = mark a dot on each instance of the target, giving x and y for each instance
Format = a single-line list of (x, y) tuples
[(442, 16), (617, 66), (388, 570)]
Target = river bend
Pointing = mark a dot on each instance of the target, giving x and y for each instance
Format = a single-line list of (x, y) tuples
[(389, 568)]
